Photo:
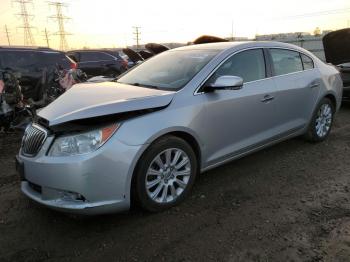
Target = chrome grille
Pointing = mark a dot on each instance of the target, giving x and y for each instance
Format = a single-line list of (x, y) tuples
[(33, 139)]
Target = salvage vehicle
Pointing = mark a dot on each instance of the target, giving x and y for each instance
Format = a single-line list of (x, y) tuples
[(29, 63), (14, 112), (99, 62), (337, 51), (144, 138)]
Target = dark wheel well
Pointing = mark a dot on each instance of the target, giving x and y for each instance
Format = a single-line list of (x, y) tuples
[(333, 100), (191, 141)]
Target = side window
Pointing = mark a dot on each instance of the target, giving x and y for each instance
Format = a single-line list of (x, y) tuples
[(249, 65), (53, 59), (104, 56), (25, 61), (307, 62), (286, 61), (89, 57)]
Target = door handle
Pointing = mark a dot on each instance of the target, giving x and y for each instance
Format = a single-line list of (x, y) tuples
[(267, 98), (313, 85)]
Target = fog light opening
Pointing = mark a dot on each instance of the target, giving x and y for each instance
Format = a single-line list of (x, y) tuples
[(72, 196)]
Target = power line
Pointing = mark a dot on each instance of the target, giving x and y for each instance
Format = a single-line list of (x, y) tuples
[(7, 35), (27, 28), (306, 15), (60, 18), (137, 34)]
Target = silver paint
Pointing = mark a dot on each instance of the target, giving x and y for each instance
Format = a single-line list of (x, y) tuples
[(225, 124)]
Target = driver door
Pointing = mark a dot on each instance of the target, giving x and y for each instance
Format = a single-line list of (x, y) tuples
[(239, 120)]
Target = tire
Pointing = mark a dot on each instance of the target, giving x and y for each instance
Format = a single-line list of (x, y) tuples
[(321, 122), (169, 187)]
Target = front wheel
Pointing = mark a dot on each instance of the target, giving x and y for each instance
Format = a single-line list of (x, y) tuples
[(165, 174), (321, 122)]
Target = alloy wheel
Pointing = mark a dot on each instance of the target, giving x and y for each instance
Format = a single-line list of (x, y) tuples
[(168, 175), (324, 120)]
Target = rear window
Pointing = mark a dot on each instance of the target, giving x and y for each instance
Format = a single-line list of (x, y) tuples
[(286, 61)]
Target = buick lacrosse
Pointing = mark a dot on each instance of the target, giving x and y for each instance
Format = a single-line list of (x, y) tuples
[(145, 137)]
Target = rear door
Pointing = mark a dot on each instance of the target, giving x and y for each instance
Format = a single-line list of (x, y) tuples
[(297, 87)]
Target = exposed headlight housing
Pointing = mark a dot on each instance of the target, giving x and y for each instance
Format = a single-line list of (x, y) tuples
[(82, 143)]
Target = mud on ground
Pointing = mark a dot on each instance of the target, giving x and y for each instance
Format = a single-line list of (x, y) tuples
[(290, 202)]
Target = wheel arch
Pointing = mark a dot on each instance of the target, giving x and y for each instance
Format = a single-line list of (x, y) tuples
[(186, 136), (331, 97)]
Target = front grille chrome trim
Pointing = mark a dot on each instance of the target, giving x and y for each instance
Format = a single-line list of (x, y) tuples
[(33, 139)]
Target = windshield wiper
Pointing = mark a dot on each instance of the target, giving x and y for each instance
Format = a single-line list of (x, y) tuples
[(145, 85), (139, 84)]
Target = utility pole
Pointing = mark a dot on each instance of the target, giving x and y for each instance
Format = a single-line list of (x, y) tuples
[(60, 18), (46, 37), (27, 28), (137, 34), (232, 30), (7, 35)]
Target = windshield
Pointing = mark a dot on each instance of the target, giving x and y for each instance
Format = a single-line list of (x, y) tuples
[(169, 70)]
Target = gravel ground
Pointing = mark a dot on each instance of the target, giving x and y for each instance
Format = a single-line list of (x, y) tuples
[(289, 202)]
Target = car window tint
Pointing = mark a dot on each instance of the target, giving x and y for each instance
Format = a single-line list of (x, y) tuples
[(20, 60), (249, 65), (170, 70), (104, 56), (53, 59), (307, 62), (285, 61), (93, 56)]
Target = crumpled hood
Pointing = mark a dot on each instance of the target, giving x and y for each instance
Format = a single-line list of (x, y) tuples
[(92, 100), (337, 46)]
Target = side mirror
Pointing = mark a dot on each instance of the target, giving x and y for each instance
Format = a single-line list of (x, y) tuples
[(225, 82)]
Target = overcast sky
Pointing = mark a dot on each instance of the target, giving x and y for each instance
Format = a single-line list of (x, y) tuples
[(108, 23)]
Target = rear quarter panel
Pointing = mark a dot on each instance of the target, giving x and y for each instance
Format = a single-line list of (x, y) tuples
[(331, 83)]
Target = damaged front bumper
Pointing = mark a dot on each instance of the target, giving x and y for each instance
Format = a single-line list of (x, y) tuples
[(94, 183)]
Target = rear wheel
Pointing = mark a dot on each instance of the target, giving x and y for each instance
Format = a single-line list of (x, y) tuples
[(321, 122), (165, 174)]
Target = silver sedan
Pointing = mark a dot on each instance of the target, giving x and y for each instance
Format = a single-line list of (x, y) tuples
[(144, 138)]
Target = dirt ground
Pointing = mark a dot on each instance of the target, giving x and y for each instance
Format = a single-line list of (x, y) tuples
[(290, 202)]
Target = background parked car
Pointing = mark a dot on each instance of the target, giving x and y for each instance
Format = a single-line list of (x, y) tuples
[(29, 64), (337, 50), (106, 62)]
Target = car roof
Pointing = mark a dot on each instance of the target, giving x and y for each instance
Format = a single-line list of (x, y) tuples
[(97, 50), (243, 44), (29, 48)]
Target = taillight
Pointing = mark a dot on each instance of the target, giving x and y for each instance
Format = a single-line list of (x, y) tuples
[(73, 65)]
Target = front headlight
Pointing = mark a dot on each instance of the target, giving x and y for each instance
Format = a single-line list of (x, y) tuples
[(82, 143)]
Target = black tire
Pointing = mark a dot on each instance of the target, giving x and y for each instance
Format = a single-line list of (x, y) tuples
[(312, 135), (140, 194)]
